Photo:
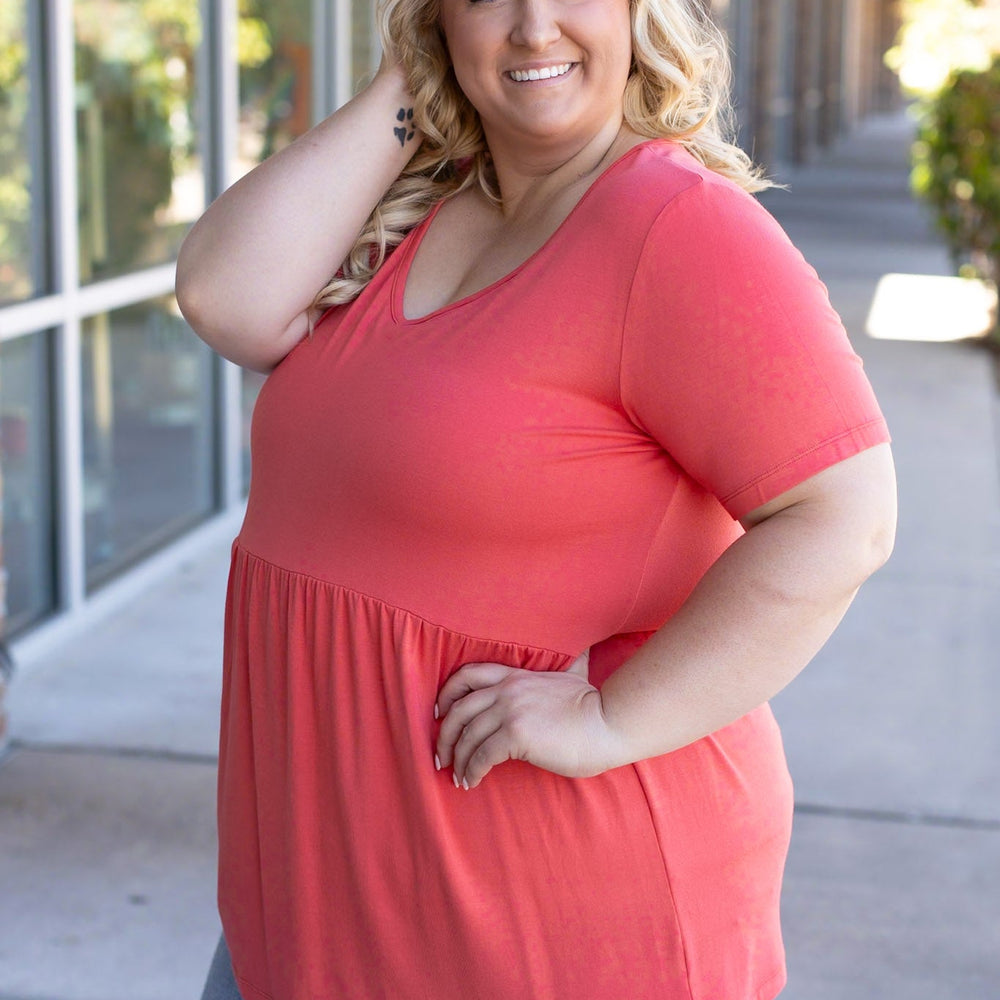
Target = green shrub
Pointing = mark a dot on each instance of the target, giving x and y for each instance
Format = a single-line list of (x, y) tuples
[(956, 167)]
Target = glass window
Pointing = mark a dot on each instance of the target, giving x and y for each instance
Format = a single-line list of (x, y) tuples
[(148, 432), (364, 43), (140, 175), (275, 56), (26, 542), (22, 179)]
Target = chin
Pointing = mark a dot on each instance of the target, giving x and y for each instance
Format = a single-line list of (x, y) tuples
[(553, 130)]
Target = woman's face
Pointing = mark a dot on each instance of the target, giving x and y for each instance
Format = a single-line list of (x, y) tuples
[(549, 71)]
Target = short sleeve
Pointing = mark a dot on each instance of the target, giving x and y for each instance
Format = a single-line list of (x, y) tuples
[(733, 358)]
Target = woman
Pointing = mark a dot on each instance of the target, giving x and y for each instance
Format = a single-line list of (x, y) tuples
[(545, 507)]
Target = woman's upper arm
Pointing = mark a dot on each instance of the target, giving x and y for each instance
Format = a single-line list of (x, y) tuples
[(852, 502)]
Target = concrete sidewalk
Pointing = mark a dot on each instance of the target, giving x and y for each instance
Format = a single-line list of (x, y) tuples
[(893, 882), (893, 886)]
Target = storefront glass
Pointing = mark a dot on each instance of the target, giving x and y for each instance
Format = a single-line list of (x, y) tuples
[(138, 161), (148, 432), (363, 43), (26, 550), (275, 53), (23, 208)]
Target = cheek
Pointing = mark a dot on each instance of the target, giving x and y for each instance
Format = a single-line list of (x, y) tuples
[(468, 84), (623, 66), (618, 29), (466, 63), (622, 30)]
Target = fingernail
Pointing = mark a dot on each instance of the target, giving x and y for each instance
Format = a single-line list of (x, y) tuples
[(435, 710), (454, 777), (465, 784), (437, 763)]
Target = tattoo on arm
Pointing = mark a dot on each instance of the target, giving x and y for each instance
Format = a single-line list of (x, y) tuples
[(405, 131)]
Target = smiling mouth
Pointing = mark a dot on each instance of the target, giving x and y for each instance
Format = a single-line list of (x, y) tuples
[(545, 73)]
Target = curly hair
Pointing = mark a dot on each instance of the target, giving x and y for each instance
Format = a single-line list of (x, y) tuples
[(678, 89)]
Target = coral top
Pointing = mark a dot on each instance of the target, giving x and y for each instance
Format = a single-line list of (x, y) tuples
[(547, 465)]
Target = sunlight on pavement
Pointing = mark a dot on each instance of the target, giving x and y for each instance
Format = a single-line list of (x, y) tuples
[(930, 307)]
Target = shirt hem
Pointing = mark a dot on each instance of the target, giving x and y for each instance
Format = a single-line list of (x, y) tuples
[(781, 477)]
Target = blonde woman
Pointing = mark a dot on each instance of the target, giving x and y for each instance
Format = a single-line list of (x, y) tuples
[(566, 470)]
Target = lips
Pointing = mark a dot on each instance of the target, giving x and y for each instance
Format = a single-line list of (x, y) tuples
[(540, 73)]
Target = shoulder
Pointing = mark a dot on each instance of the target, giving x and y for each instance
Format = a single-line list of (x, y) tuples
[(712, 252), (659, 190)]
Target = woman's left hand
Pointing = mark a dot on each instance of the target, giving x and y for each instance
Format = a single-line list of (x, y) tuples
[(491, 713)]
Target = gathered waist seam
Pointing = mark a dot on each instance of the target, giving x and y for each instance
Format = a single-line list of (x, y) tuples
[(238, 546)]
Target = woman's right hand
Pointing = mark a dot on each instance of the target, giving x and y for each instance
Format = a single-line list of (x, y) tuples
[(491, 713), (252, 265)]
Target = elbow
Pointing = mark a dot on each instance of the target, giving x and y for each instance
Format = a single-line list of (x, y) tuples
[(190, 292), (203, 303), (187, 302), (872, 509), (223, 321), (880, 536), (880, 545), (200, 287)]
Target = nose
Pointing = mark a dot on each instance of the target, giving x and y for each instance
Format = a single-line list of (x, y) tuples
[(537, 25)]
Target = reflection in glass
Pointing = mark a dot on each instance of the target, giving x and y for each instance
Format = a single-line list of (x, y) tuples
[(140, 176), (364, 43), (26, 556), (275, 53), (148, 432), (22, 202)]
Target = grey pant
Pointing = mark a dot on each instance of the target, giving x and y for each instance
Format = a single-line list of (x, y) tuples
[(221, 983)]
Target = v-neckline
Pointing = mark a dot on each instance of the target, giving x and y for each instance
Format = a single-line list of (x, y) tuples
[(416, 238)]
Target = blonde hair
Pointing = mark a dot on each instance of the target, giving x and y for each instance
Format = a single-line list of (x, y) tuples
[(678, 89)]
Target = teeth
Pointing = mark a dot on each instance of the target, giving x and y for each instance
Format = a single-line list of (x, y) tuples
[(545, 73)]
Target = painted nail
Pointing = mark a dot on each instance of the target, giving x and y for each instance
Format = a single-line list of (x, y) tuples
[(454, 777), (435, 710), (437, 763), (465, 784)]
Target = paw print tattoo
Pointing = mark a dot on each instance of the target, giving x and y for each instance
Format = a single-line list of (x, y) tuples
[(404, 132)]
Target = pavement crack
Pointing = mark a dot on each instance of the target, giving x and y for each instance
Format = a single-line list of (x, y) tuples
[(902, 817), (96, 750), (19, 996)]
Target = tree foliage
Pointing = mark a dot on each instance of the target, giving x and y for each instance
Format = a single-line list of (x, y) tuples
[(939, 37), (135, 91), (15, 169), (957, 167)]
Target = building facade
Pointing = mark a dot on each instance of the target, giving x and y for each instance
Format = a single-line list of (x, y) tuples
[(120, 433), (806, 71)]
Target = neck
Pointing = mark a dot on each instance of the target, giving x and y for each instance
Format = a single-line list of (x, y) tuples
[(524, 176)]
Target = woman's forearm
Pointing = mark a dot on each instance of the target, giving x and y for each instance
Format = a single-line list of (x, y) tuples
[(755, 619), (253, 263)]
